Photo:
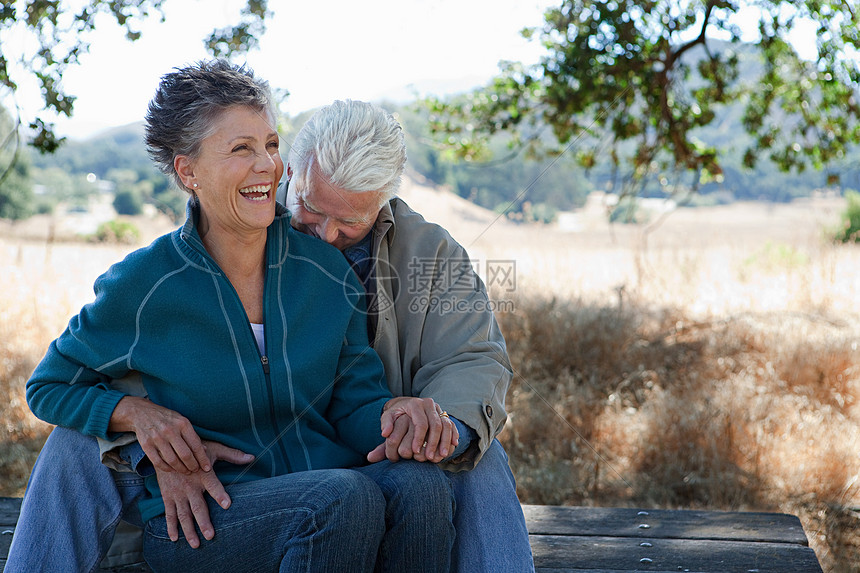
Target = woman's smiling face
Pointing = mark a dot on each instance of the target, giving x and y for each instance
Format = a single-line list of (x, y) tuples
[(237, 171)]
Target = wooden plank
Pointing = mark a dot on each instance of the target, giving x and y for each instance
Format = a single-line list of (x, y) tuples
[(574, 553), (10, 507), (665, 524), (5, 542)]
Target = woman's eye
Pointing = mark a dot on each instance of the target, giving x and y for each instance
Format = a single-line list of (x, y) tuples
[(240, 148)]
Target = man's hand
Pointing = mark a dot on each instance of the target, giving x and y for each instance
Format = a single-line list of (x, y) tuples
[(183, 495), (414, 428), (168, 439)]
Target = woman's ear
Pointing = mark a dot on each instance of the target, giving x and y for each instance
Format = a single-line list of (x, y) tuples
[(185, 169), (289, 171)]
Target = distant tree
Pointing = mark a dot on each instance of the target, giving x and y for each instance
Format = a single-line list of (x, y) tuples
[(116, 232), (128, 202), (16, 186), (130, 193), (619, 73), (850, 230), (16, 192)]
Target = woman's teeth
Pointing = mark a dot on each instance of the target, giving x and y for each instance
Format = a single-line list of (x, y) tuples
[(256, 193)]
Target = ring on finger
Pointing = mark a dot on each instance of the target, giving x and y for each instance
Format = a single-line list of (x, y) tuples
[(444, 414)]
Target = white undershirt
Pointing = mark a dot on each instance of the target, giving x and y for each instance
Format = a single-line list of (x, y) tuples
[(260, 335)]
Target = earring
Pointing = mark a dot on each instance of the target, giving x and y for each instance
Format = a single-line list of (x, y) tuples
[(195, 185)]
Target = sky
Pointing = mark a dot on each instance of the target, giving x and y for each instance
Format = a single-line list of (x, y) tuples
[(318, 50)]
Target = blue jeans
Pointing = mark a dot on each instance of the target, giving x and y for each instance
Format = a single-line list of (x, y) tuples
[(491, 527), (418, 511), (322, 520), (73, 500)]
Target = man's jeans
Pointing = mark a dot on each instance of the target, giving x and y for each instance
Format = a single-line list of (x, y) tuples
[(74, 501), (71, 508), (491, 528)]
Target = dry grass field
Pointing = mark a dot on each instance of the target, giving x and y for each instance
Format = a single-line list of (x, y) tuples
[(709, 360)]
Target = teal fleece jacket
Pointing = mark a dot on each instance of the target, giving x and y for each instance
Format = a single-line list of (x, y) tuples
[(168, 311)]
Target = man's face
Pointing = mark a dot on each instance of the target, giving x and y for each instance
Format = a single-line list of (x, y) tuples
[(339, 217)]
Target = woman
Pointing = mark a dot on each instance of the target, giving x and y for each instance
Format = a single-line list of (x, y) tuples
[(249, 330)]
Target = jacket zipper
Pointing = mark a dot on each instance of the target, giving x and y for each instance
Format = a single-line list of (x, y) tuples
[(264, 360)]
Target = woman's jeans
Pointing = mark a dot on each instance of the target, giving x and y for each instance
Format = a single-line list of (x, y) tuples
[(74, 503), (324, 520), (397, 517)]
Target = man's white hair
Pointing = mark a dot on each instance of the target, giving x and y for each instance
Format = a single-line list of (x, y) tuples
[(355, 145)]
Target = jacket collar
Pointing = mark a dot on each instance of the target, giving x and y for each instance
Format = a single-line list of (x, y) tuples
[(192, 246), (384, 224)]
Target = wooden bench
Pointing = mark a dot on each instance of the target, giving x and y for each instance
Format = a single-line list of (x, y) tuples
[(603, 540), (615, 540)]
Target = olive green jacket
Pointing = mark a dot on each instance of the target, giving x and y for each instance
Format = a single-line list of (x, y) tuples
[(434, 325)]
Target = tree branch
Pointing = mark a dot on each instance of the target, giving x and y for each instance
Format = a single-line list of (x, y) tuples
[(700, 39)]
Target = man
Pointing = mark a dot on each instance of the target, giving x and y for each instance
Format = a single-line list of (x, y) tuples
[(429, 320), (429, 315)]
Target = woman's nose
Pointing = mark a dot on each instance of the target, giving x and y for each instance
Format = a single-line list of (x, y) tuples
[(265, 162)]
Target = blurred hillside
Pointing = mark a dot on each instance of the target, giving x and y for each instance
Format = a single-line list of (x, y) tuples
[(524, 190), (520, 184)]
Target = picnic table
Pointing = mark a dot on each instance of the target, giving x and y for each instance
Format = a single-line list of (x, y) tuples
[(615, 540)]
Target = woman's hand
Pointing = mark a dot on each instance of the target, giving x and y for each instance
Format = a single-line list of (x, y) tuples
[(183, 494), (415, 428), (168, 439)]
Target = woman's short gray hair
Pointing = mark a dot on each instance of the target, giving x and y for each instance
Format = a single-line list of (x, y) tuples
[(188, 102), (356, 145)]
